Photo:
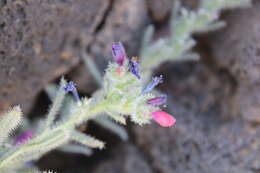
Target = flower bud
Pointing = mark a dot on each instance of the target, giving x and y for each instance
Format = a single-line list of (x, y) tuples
[(152, 84), (163, 118), (118, 52), (23, 137), (71, 87), (156, 101), (134, 67)]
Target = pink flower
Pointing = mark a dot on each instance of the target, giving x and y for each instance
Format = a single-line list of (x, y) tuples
[(23, 137), (163, 118)]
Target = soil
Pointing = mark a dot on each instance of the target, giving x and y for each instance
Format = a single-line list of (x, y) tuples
[(215, 100)]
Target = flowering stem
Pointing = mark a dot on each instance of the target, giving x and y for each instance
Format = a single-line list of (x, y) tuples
[(179, 43), (95, 110), (58, 133), (33, 144)]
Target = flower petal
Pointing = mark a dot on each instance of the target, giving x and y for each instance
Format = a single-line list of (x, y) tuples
[(23, 137), (71, 87), (118, 52), (156, 80), (163, 118), (134, 67), (156, 101)]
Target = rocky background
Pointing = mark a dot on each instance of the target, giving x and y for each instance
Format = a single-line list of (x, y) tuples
[(216, 100)]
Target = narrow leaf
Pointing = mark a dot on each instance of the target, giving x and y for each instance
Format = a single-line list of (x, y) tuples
[(9, 121), (34, 148), (56, 104), (113, 127), (86, 140), (116, 116), (74, 148)]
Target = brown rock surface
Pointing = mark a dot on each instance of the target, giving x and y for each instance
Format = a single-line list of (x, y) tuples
[(129, 162), (42, 40), (202, 140), (247, 101), (39, 41), (160, 10), (236, 48), (209, 147)]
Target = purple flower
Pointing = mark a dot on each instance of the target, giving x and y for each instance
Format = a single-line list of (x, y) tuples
[(70, 87), (152, 84), (23, 137), (133, 67), (118, 52), (156, 101)]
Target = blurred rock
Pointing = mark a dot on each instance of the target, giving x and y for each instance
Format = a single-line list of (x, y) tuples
[(161, 10), (247, 100), (236, 48), (42, 40), (198, 143), (130, 160), (125, 22), (39, 41)]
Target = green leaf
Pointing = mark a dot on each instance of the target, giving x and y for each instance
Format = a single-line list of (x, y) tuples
[(9, 122), (74, 148), (116, 116), (57, 103), (86, 140), (33, 148), (113, 127)]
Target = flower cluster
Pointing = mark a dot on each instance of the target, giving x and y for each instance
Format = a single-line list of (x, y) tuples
[(127, 74), (123, 93)]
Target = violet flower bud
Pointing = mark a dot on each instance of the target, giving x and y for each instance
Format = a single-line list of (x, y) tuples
[(118, 52), (70, 87), (133, 67), (156, 101), (152, 84), (23, 137)]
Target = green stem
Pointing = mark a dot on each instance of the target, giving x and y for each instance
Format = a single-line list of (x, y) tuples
[(35, 144), (37, 141)]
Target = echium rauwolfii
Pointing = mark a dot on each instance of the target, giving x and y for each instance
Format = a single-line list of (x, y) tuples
[(122, 95), (124, 90)]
